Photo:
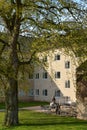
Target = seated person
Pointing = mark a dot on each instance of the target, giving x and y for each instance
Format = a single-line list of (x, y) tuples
[(53, 103)]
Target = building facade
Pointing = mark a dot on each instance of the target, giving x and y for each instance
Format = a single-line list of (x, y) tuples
[(56, 78)]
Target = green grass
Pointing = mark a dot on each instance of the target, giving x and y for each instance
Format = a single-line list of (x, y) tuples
[(32, 103), (30, 120), (26, 104)]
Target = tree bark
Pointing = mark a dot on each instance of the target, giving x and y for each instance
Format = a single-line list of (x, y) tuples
[(13, 22), (11, 91), (11, 101)]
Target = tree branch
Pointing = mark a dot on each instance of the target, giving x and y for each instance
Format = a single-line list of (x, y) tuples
[(3, 47), (4, 42), (29, 61)]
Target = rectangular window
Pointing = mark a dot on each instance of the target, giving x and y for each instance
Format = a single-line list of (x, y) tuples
[(31, 92), (45, 75), (57, 57), (45, 92), (37, 91), (67, 64), (57, 74), (37, 76), (57, 93), (67, 84), (21, 93)]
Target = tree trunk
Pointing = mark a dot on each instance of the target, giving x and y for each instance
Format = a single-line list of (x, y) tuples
[(82, 100), (11, 91), (11, 101), (82, 109)]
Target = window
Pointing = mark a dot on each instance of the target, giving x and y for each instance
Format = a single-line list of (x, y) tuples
[(67, 84), (37, 76), (37, 91), (67, 64), (57, 74), (45, 59), (45, 75), (31, 92), (57, 57), (21, 93), (57, 93), (45, 93)]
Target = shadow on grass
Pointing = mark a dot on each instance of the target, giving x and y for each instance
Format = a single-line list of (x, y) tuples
[(52, 121), (35, 120)]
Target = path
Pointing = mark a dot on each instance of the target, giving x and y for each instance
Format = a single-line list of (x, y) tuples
[(35, 108)]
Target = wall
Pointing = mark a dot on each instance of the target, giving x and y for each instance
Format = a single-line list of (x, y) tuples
[(53, 84)]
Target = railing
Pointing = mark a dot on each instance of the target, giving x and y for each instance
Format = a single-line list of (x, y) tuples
[(63, 100)]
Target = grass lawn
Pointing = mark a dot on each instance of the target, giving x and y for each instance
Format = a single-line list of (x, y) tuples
[(32, 103), (30, 120), (26, 104)]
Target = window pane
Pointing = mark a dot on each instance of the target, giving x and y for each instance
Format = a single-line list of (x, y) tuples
[(37, 76), (37, 91), (57, 57), (45, 92), (57, 74), (57, 93), (67, 84), (31, 92), (67, 64), (45, 75)]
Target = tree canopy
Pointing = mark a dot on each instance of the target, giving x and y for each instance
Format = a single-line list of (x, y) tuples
[(45, 24)]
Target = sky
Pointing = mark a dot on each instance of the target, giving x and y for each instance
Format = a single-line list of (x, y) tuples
[(81, 1), (78, 1)]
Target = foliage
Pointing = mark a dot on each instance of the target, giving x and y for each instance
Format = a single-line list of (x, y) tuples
[(46, 24), (43, 22)]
